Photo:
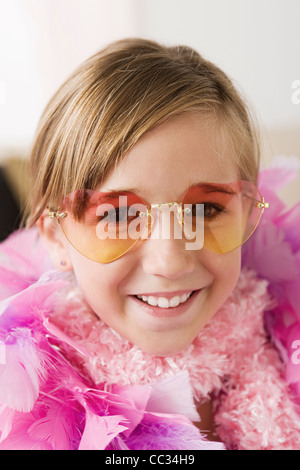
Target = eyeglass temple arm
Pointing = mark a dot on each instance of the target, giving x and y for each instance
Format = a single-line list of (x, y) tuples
[(56, 214), (260, 204)]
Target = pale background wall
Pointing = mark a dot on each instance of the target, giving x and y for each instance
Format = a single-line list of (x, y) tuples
[(257, 42)]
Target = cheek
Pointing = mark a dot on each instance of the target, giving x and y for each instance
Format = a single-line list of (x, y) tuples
[(225, 271), (99, 283)]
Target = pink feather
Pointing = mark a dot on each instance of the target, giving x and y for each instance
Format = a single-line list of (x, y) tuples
[(39, 293), (19, 376), (23, 259), (131, 402), (11, 283), (25, 253), (282, 171), (161, 432), (19, 439), (267, 251), (7, 416), (59, 334), (173, 395), (99, 431), (56, 428), (289, 222)]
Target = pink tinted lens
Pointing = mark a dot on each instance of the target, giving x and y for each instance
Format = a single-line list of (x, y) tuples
[(231, 213), (103, 226)]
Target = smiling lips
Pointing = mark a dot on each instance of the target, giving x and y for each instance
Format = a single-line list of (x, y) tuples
[(165, 301)]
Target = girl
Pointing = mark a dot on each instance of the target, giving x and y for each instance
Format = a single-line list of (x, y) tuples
[(112, 333)]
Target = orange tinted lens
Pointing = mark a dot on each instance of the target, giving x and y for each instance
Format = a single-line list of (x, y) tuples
[(103, 226), (230, 213)]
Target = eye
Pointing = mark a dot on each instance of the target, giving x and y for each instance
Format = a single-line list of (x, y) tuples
[(119, 215), (208, 210), (212, 211), (116, 215)]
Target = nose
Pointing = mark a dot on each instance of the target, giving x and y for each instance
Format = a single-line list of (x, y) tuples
[(165, 251), (167, 258)]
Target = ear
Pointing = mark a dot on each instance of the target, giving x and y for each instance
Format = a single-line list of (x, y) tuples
[(55, 241)]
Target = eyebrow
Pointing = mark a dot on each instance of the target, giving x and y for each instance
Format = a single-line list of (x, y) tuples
[(112, 195), (208, 188), (214, 187)]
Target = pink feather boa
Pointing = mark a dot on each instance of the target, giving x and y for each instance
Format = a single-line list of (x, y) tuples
[(47, 402), (78, 384)]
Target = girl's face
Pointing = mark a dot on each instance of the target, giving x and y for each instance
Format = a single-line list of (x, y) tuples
[(161, 167)]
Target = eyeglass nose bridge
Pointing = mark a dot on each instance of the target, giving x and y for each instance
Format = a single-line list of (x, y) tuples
[(185, 229), (179, 214)]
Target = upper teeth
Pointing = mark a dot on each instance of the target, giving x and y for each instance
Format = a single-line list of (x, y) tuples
[(163, 302)]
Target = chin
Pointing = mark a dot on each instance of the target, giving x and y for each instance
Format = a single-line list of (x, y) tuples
[(164, 346)]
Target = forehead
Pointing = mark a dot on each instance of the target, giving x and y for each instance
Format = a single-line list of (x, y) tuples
[(182, 151)]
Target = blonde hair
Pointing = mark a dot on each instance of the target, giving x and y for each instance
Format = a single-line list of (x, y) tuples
[(114, 98)]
